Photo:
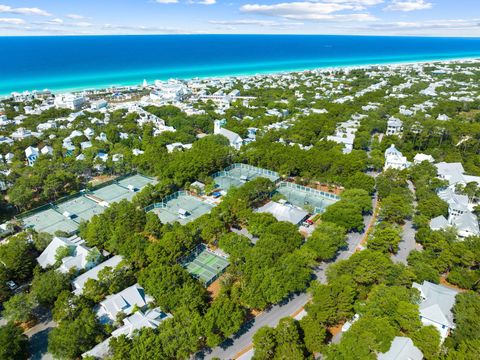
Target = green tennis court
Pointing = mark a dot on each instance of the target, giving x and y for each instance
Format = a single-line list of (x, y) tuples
[(307, 198), (206, 265), (238, 174), (67, 213), (183, 208)]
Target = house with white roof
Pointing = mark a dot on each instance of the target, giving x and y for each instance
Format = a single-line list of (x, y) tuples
[(88, 132), (402, 348), (31, 154), (69, 101), (46, 150), (394, 159), (284, 211), (436, 306), (8, 158), (394, 126), (419, 158), (21, 134), (125, 301), (135, 322), (6, 140), (79, 257), (79, 282), (454, 173), (233, 138), (178, 146)]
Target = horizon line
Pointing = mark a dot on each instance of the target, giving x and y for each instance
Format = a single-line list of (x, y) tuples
[(243, 34)]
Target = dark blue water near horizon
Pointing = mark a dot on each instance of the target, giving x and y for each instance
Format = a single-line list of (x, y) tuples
[(78, 62)]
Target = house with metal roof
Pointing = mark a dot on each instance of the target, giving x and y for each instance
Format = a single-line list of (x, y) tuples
[(454, 173), (394, 159), (79, 256), (125, 301), (436, 306), (394, 126), (135, 322), (233, 138), (402, 348), (459, 215), (79, 282)]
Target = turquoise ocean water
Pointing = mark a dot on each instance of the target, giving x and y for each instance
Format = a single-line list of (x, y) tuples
[(78, 62)]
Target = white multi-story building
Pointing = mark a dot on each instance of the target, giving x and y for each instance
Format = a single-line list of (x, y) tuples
[(69, 101), (394, 126), (394, 159), (436, 306)]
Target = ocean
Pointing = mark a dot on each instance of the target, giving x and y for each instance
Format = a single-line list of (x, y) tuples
[(62, 63)]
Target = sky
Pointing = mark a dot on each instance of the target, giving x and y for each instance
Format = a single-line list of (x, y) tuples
[(353, 17)]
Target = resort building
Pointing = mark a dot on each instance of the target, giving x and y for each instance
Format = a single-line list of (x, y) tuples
[(69, 101), (436, 306)]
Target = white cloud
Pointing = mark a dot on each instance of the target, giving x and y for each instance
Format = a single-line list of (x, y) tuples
[(409, 5), (166, 1), (75, 17), (309, 11), (56, 21), (5, 9), (458, 24), (207, 2), (12, 21), (265, 23)]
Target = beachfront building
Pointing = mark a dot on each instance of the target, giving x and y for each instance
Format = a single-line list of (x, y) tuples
[(436, 306), (402, 348), (77, 255), (394, 159), (171, 90), (69, 101), (233, 138)]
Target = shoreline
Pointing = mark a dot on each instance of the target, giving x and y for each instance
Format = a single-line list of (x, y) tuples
[(272, 72)]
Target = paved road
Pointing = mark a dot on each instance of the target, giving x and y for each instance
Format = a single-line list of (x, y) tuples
[(407, 244), (272, 316), (38, 337)]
